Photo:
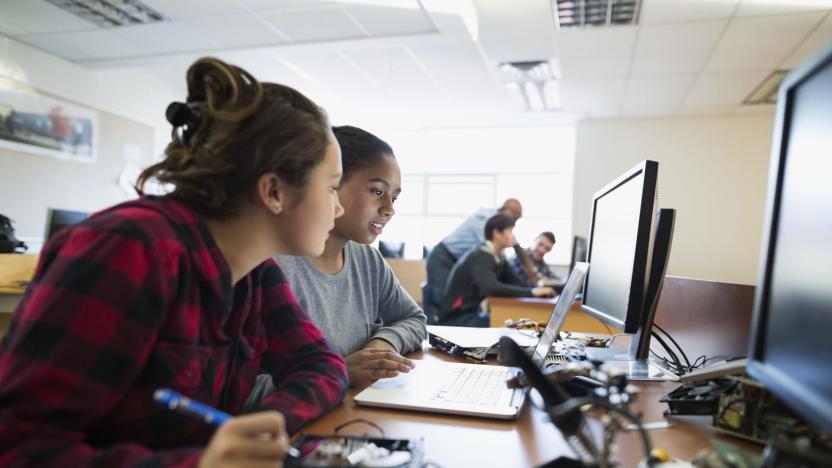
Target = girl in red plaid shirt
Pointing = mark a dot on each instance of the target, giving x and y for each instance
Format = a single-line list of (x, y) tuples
[(180, 291)]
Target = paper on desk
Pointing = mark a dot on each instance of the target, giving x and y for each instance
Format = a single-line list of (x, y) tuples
[(470, 337)]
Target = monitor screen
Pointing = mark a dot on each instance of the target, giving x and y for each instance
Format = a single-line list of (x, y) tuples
[(790, 351), (59, 219), (619, 244)]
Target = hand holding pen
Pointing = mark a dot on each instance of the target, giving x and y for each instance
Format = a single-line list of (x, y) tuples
[(257, 439)]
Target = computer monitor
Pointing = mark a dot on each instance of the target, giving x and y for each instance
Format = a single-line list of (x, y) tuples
[(790, 352), (578, 251), (619, 247), (59, 219)]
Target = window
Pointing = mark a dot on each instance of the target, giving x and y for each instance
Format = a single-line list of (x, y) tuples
[(449, 174)]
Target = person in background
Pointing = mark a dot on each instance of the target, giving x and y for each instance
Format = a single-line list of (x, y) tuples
[(446, 253), (484, 272), (349, 290), (181, 291), (528, 264)]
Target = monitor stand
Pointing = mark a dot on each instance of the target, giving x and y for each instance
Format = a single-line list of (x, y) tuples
[(634, 361)]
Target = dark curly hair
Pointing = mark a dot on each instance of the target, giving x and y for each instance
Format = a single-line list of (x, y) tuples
[(243, 129)]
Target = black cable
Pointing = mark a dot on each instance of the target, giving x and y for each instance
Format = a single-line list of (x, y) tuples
[(359, 421), (669, 352), (667, 363), (684, 356)]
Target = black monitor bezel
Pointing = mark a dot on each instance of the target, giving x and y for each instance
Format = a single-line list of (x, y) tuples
[(641, 260), (776, 381)]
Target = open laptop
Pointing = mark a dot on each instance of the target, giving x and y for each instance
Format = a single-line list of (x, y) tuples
[(469, 389)]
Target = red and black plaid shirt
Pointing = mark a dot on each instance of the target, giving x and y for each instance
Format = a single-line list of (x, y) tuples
[(139, 297)]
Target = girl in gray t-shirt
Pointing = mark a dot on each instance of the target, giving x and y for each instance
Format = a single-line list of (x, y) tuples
[(350, 292)]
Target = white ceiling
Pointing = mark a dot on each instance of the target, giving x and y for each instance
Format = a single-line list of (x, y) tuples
[(432, 62)]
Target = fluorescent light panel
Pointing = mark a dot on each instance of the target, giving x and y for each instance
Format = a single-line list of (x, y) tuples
[(586, 13), (531, 85), (111, 13)]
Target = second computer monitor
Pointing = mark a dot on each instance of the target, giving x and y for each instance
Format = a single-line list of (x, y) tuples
[(578, 251), (59, 219), (619, 247)]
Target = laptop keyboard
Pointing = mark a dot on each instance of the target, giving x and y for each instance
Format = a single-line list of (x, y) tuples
[(474, 385)]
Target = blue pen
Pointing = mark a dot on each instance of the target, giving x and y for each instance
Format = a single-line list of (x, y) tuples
[(184, 405)]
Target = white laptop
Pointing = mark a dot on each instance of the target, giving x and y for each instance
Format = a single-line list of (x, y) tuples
[(469, 389)]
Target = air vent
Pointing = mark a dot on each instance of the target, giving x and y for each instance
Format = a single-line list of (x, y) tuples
[(111, 13), (591, 13), (766, 91)]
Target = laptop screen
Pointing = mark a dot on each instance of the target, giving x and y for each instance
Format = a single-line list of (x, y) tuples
[(576, 279)]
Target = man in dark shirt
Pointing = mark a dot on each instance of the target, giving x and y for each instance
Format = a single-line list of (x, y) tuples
[(536, 269), (483, 272)]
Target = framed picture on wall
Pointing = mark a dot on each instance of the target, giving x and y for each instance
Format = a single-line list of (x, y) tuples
[(33, 122)]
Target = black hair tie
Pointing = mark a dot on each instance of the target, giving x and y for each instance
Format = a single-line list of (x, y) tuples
[(184, 116)]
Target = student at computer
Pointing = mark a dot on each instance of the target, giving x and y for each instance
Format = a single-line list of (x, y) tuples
[(484, 272), (349, 290), (528, 264), (450, 250), (181, 291)]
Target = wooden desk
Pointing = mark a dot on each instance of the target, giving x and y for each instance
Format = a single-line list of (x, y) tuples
[(15, 271), (539, 309), (459, 441)]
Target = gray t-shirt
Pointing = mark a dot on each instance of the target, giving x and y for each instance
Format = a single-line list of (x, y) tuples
[(362, 301)]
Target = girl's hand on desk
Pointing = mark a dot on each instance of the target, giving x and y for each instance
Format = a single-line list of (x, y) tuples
[(370, 364), (252, 440), (543, 292)]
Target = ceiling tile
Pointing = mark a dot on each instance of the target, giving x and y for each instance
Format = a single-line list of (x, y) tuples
[(55, 47), (461, 73), (336, 72), (656, 94), (675, 48), (275, 5), (819, 39), (32, 17), (596, 52), (596, 96), (722, 89), (319, 23), (382, 21), (237, 31), (780, 7), (395, 69), (167, 37), (760, 42), (671, 11), (178, 9), (9, 28), (100, 44)]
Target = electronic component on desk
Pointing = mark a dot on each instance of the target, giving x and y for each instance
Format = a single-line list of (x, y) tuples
[(699, 399), (586, 340), (714, 371), (344, 451)]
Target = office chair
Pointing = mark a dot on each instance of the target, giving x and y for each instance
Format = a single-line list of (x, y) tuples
[(391, 249)]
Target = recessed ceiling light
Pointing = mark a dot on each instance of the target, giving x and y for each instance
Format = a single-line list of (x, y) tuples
[(766, 91), (531, 85)]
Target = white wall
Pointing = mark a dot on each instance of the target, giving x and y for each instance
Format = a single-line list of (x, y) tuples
[(712, 169), (133, 93), (130, 104)]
